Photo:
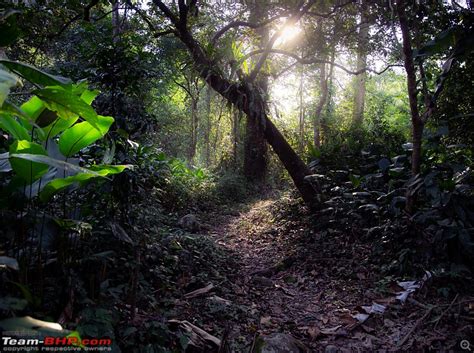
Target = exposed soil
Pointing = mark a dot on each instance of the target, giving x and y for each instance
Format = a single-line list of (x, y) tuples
[(285, 276)]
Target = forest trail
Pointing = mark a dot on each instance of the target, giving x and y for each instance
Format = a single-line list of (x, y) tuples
[(294, 279), (286, 292)]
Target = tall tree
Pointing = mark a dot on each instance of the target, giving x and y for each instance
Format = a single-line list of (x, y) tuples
[(361, 78), (301, 112), (323, 83), (207, 127), (325, 129), (192, 88), (455, 41), (255, 146)]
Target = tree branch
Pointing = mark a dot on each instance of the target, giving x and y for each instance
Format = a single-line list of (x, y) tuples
[(167, 12), (252, 25), (291, 21), (308, 61), (85, 15), (157, 33), (332, 12), (183, 13)]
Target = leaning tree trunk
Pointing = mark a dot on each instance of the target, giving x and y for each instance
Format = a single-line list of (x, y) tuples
[(251, 101), (255, 146), (360, 79)]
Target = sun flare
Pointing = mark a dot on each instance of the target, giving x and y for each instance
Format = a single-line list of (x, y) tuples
[(289, 33)]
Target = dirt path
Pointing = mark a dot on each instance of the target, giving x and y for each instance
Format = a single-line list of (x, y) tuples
[(308, 283), (287, 294)]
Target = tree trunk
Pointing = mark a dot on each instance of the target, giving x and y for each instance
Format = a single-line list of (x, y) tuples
[(328, 111), (417, 123), (207, 128), (255, 151), (323, 94), (236, 118), (115, 21), (194, 130), (301, 131), (360, 79), (255, 146)]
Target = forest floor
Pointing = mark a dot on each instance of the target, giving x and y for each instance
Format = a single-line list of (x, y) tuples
[(283, 276)]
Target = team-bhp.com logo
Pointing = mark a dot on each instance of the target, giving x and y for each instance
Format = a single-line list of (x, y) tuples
[(72, 342)]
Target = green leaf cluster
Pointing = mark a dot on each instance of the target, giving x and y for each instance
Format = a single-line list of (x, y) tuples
[(54, 125)]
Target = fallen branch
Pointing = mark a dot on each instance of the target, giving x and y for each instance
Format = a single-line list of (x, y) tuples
[(198, 338)]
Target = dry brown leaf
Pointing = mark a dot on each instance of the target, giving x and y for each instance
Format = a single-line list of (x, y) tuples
[(265, 320), (314, 332)]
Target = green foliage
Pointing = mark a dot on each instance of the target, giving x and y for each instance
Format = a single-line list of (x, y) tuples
[(83, 134), (34, 75), (181, 186), (29, 171), (53, 110), (233, 187)]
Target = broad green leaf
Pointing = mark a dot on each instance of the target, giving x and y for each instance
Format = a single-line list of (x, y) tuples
[(28, 170), (33, 74), (10, 108), (55, 186), (7, 81), (106, 170), (46, 160), (33, 107), (13, 127), (64, 101), (25, 120), (89, 96), (82, 135), (59, 126)]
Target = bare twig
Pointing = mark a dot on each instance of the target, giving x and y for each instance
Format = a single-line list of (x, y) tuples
[(420, 320), (445, 311)]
